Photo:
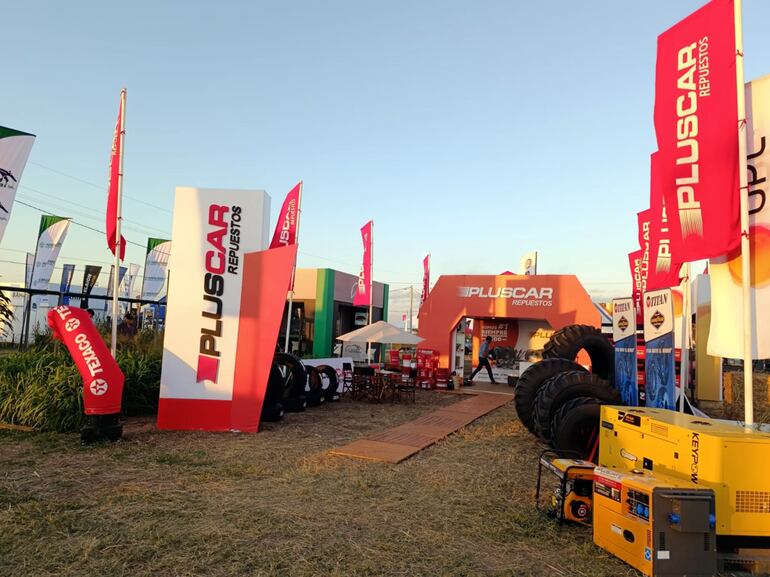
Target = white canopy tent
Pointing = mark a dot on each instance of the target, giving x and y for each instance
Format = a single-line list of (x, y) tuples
[(381, 332)]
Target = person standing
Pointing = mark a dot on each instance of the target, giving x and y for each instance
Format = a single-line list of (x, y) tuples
[(484, 352)]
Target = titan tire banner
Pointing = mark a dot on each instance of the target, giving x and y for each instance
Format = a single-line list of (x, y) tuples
[(363, 296), (15, 147), (51, 235), (224, 308), (726, 334), (639, 269), (67, 272), (90, 276), (696, 123), (155, 267), (663, 271), (102, 377), (127, 287), (659, 374), (624, 336)]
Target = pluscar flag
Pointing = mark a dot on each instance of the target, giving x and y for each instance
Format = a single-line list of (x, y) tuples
[(115, 176), (286, 227), (663, 271), (15, 147), (425, 278), (363, 296), (696, 123), (639, 281)]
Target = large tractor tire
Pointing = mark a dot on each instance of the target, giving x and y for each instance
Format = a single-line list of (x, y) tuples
[(292, 375), (532, 379), (565, 387), (575, 427), (315, 388), (569, 341), (272, 408)]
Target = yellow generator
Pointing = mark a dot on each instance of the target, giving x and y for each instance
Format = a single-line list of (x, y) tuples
[(571, 487), (701, 453), (657, 524)]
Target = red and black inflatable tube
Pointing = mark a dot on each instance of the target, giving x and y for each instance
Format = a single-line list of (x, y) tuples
[(102, 377)]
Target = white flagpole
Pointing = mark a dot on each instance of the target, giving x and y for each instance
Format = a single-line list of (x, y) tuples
[(371, 284), (293, 272), (748, 376), (684, 359), (116, 273)]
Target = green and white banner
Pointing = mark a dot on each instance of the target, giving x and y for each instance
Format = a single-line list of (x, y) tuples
[(15, 147), (155, 267), (53, 230)]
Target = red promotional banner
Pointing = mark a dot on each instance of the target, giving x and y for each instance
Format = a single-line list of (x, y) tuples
[(643, 220), (663, 270), (286, 227), (363, 296), (425, 278), (102, 377), (696, 123), (639, 279), (115, 176)]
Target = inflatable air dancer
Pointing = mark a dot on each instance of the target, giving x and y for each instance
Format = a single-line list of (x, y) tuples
[(102, 377)]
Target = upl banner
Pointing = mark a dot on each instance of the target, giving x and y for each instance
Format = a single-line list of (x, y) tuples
[(155, 267), (224, 310), (696, 123), (659, 373), (624, 336), (726, 334), (15, 147), (68, 271), (51, 235)]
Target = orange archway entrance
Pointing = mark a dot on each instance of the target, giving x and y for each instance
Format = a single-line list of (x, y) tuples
[(560, 300)]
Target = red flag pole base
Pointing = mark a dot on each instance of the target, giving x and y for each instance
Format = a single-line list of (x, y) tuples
[(101, 428)]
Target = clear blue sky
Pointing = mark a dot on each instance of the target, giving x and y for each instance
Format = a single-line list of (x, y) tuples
[(476, 131)]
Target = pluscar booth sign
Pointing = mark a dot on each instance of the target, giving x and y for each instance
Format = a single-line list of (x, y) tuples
[(224, 310), (559, 300)]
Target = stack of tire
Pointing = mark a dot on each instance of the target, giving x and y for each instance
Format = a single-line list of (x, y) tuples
[(292, 387), (559, 400)]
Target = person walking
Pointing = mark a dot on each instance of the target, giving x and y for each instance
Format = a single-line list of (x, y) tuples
[(484, 352)]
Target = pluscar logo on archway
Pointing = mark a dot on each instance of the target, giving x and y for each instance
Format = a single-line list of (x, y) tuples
[(225, 304), (559, 300), (519, 296)]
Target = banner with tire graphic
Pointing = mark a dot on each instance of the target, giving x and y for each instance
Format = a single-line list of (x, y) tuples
[(15, 147), (624, 336), (659, 367)]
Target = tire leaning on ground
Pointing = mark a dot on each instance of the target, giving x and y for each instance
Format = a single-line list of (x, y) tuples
[(329, 382), (293, 377), (575, 426), (566, 343), (272, 409), (565, 387), (314, 390), (532, 379)]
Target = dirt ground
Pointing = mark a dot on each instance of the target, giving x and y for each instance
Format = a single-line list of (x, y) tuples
[(194, 504)]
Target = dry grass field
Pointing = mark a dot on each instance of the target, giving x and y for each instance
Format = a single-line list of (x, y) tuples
[(194, 504)]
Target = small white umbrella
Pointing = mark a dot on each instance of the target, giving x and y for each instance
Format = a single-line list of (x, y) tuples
[(381, 332)]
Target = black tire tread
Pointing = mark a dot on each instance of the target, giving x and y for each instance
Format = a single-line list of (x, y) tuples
[(566, 343), (563, 388), (564, 427), (531, 380)]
